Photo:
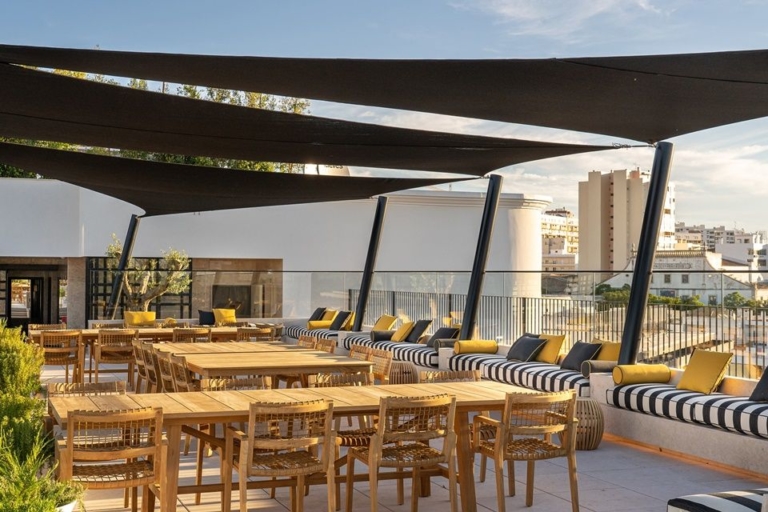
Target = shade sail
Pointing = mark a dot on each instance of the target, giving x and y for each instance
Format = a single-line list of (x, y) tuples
[(645, 98), (163, 188), (44, 106)]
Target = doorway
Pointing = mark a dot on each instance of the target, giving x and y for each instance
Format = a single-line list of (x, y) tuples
[(35, 296)]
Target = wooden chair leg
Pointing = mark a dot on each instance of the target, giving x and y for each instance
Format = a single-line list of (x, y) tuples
[(499, 466), (350, 476), (374, 491), (415, 489), (511, 476), (573, 479), (529, 484)]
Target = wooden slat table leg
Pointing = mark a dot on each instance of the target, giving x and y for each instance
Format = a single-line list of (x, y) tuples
[(168, 495), (465, 459)]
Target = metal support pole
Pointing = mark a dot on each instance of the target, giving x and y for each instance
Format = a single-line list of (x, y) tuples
[(481, 257), (125, 256), (646, 251), (370, 263)]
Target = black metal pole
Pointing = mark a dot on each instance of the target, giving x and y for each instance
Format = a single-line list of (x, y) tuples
[(646, 251), (125, 256), (370, 263), (481, 257)]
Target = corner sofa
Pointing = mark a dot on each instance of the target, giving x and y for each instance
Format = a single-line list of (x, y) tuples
[(724, 427)]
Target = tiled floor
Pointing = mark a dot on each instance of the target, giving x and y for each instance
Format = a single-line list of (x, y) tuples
[(615, 477)]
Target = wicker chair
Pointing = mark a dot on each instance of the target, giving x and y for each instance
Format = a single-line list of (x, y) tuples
[(406, 424), (141, 369), (192, 335), (360, 436), (325, 345), (165, 371), (115, 346), (281, 442), (114, 450), (525, 433), (307, 341), (150, 365), (255, 334), (64, 348), (382, 364), (360, 352)]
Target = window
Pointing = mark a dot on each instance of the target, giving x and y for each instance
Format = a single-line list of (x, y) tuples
[(667, 278), (712, 300), (685, 278)]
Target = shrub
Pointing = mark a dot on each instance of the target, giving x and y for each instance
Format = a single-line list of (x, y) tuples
[(21, 423), (20, 362)]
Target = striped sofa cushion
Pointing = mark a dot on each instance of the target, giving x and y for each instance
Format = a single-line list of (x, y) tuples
[(658, 399), (472, 361), (734, 413), (732, 501), (420, 355), (539, 376), (295, 331)]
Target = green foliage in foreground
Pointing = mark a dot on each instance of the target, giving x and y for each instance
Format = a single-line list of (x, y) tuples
[(20, 362)]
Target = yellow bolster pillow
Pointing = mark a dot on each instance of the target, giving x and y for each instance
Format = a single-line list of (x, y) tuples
[(319, 324), (475, 347), (139, 318), (641, 373)]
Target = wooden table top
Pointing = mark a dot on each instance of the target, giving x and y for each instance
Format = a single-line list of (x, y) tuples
[(194, 407), (272, 363), (226, 347)]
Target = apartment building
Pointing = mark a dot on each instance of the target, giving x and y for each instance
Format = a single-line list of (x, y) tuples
[(559, 240)]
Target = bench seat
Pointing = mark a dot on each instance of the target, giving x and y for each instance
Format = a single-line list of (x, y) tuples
[(730, 501), (420, 355)]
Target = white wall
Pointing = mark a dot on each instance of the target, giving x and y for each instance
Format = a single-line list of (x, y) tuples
[(423, 230)]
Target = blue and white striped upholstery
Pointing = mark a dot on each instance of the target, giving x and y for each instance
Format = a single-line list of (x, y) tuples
[(295, 331), (534, 375), (732, 501), (663, 400), (420, 355), (734, 413), (472, 362)]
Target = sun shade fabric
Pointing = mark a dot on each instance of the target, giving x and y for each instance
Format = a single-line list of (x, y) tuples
[(162, 188), (645, 98), (44, 106)]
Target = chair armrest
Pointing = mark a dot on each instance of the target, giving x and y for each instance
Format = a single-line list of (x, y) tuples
[(478, 422)]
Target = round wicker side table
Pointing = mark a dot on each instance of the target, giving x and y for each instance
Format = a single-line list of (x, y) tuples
[(589, 432), (402, 372)]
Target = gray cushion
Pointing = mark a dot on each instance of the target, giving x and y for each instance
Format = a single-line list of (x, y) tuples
[(418, 329), (579, 353), (443, 333), (760, 393), (526, 348), (339, 320)]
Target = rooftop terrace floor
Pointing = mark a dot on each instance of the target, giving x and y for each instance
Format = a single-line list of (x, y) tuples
[(615, 477)]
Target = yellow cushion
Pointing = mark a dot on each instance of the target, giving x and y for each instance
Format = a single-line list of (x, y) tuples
[(224, 316), (349, 323), (139, 318), (551, 349), (329, 314), (641, 373), (475, 347), (403, 331), (384, 323), (319, 324), (705, 371), (609, 351)]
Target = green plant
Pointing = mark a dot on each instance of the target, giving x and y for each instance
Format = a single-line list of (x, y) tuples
[(29, 484), (20, 362), (21, 424)]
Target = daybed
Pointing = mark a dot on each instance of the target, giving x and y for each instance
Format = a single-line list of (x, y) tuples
[(728, 427), (409, 350), (545, 370)]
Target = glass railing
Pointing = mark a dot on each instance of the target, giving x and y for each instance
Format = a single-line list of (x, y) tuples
[(686, 310)]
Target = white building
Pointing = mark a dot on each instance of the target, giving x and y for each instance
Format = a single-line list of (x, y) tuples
[(54, 233), (611, 209), (559, 241)]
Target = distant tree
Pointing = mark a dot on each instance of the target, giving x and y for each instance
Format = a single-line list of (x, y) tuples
[(144, 281), (734, 300)]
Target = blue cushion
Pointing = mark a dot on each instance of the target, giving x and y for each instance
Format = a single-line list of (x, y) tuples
[(579, 353), (443, 333), (418, 329), (317, 314), (206, 317), (340, 320), (526, 348)]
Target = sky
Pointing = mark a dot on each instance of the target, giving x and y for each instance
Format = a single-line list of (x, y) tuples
[(720, 175)]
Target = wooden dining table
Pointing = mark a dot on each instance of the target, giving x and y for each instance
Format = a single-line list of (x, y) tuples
[(184, 349), (234, 364), (155, 333), (232, 406)]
